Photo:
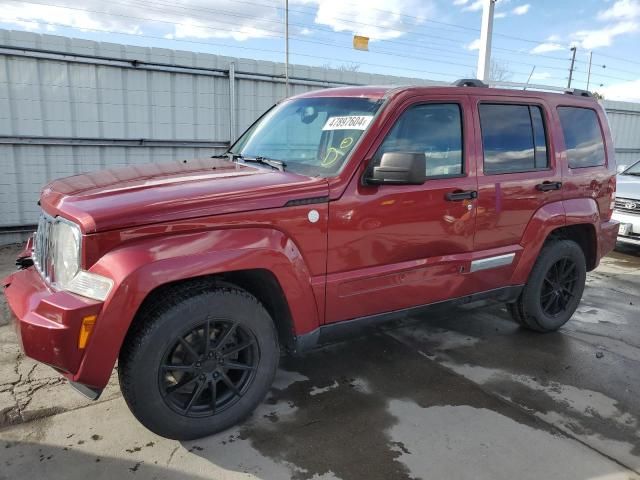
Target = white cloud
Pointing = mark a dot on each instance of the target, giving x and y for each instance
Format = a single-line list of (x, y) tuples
[(200, 19), (540, 76), (521, 10), (474, 6), (625, 91), (376, 19), (35, 16), (474, 45), (499, 15), (547, 47), (621, 10), (603, 37), (460, 2), (622, 17)]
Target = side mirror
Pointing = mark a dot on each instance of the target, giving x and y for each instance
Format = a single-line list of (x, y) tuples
[(399, 168)]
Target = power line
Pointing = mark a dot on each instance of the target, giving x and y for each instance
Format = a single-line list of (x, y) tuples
[(240, 47), (350, 20), (265, 32), (318, 28), (277, 35)]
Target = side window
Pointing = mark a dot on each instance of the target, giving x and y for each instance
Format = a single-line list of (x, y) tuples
[(582, 136), (432, 129), (513, 138)]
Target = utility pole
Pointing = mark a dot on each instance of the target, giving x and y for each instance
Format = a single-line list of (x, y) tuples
[(286, 48), (486, 33), (589, 72), (573, 62)]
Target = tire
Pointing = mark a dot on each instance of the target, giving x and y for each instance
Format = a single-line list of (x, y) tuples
[(554, 288), (181, 387)]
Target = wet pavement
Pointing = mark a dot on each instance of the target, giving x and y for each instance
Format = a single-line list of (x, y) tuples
[(458, 393)]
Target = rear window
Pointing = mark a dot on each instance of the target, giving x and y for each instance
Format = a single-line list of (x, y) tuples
[(582, 137), (513, 138)]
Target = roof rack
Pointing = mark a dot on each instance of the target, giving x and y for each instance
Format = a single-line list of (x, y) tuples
[(578, 92), (470, 82)]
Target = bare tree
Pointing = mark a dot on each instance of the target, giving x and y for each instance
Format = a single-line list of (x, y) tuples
[(345, 67), (498, 72)]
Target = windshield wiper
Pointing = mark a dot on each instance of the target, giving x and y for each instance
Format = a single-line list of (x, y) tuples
[(275, 164), (234, 157)]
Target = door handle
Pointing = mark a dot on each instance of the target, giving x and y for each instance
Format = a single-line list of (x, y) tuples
[(459, 195), (546, 186)]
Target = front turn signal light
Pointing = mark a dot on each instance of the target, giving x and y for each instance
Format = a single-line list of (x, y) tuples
[(86, 328)]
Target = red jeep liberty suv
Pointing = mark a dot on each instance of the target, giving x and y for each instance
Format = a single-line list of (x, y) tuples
[(337, 208)]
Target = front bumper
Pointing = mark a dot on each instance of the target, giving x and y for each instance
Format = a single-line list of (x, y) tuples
[(47, 322), (633, 234)]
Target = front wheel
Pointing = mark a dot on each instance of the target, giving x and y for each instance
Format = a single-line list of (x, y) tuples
[(198, 362), (554, 288)]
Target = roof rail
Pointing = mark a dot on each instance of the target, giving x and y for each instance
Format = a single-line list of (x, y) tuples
[(578, 92), (469, 82)]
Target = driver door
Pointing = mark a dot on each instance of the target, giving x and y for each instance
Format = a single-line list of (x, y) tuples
[(391, 247)]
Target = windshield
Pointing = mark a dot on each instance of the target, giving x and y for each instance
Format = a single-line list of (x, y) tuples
[(633, 169), (312, 136)]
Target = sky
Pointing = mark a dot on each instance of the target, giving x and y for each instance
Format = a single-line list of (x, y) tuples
[(433, 39)]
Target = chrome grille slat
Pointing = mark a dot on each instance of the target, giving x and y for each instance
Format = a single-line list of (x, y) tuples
[(42, 248)]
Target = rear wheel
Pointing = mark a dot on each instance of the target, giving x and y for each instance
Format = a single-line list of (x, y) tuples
[(554, 288), (198, 362)]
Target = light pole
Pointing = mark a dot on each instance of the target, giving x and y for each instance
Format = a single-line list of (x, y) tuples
[(286, 48), (486, 32)]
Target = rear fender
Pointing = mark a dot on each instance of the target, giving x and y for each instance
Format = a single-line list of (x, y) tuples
[(548, 218), (138, 268)]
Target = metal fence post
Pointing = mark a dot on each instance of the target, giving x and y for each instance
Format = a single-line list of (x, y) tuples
[(232, 102)]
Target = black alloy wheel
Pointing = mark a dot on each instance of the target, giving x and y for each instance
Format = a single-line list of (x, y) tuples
[(559, 287), (554, 287), (208, 368), (198, 359)]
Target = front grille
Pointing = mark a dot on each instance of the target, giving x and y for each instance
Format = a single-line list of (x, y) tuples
[(628, 205), (43, 247)]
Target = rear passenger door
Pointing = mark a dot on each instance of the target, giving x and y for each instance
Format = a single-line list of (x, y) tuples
[(517, 174)]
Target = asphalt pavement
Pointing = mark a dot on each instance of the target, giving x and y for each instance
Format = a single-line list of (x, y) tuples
[(460, 393)]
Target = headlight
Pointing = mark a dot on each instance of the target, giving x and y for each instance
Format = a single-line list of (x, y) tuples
[(65, 239), (67, 274)]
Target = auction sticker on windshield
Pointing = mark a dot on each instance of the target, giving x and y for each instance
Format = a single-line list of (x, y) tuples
[(348, 122)]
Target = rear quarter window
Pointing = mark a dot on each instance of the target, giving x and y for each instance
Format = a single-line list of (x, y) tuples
[(582, 137)]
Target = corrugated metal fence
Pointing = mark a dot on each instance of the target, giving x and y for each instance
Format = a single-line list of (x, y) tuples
[(70, 105), (624, 120)]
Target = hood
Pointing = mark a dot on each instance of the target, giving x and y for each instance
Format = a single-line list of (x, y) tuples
[(152, 193), (628, 186)]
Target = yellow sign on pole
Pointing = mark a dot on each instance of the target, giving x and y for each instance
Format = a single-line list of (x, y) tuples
[(360, 42)]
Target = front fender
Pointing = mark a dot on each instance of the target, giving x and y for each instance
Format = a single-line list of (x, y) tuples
[(140, 267)]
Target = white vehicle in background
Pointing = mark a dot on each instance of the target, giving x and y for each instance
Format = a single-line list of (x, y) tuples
[(627, 206)]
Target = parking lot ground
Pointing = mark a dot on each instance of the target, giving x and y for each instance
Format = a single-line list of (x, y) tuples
[(458, 393)]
